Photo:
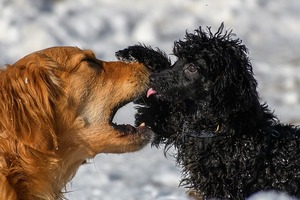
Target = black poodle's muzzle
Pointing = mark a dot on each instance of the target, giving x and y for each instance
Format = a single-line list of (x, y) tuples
[(159, 87)]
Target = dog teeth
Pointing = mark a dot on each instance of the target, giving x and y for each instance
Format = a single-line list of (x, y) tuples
[(142, 124)]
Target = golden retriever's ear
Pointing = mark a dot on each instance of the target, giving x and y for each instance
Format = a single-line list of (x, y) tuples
[(29, 91)]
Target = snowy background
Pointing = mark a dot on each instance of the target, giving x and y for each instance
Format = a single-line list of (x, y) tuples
[(269, 28)]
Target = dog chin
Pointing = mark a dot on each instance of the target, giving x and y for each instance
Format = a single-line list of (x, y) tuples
[(126, 128)]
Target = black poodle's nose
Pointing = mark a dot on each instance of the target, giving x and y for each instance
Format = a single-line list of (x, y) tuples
[(152, 78)]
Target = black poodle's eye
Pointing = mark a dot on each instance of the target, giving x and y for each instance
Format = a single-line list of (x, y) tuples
[(190, 70)]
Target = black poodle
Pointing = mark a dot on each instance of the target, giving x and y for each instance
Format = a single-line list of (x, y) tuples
[(206, 105)]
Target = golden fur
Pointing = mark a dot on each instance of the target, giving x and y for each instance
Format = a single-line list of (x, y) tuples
[(56, 107)]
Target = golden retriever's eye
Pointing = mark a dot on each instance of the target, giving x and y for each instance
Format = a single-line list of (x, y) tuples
[(89, 60), (93, 62)]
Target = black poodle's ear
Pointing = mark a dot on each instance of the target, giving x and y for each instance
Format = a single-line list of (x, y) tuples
[(155, 60), (236, 88)]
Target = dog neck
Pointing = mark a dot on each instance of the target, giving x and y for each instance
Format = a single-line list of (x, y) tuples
[(207, 121)]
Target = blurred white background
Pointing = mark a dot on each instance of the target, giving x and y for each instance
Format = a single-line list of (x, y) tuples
[(269, 28)]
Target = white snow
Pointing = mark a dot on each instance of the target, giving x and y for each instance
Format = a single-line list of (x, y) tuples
[(269, 28)]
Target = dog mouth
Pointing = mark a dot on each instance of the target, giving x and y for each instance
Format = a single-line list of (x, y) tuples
[(120, 121), (151, 92), (158, 94)]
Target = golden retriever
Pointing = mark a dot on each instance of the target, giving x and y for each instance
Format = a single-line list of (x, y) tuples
[(57, 107)]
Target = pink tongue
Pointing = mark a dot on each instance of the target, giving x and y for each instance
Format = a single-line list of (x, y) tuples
[(150, 92)]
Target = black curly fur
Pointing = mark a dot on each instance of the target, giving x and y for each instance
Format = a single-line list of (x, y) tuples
[(228, 143), (156, 60)]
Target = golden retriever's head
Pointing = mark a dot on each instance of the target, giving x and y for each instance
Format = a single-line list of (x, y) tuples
[(62, 93), (56, 110)]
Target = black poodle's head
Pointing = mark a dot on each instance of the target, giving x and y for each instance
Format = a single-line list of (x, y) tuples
[(209, 85), (209, 89), (210, 67)]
